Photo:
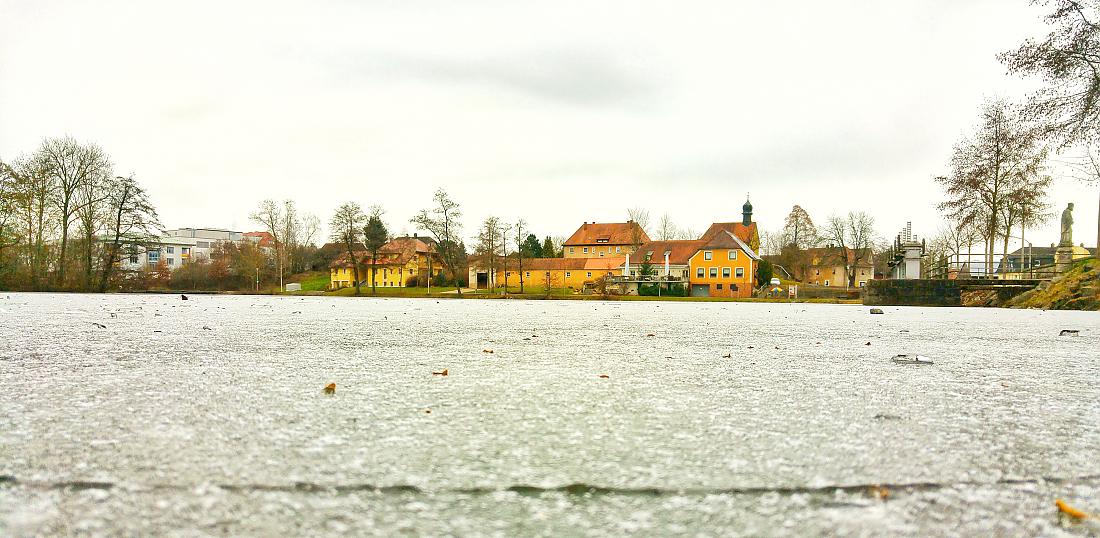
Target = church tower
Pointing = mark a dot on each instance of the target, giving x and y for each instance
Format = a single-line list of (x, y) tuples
[(746, 212)]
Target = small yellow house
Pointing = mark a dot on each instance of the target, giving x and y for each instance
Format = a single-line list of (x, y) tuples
[(827, 267), (401, 262), (723, 266)]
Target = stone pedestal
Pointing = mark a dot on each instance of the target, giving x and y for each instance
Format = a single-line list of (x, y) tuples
[(1063, 258)]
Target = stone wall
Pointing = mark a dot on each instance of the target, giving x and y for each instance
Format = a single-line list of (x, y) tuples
[(913, 293), (927, 292)]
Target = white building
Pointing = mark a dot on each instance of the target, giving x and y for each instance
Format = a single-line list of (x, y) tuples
[(908, 251), (181, 245)]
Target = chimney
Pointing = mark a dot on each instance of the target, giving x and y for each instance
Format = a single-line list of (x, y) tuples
[(626, 266)]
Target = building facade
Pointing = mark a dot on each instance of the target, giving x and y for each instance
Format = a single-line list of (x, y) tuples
[(401, 262), (827, 267), (178, 247), (604, 240)]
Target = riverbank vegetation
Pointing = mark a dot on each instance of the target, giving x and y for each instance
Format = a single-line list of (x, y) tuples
[(67, 221), (1076, 290)]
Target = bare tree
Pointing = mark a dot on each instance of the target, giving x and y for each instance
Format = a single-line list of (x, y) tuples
[(91, 216), (442, 222), (688, 233), (666, 229), (853, 237), (521, 245), (282, 223), (305, 241), (640, 217), (1002, 162), (32, 198), (1067, 60), (346, 226), (132, 224), (72, 165), (488, 245), (9, 236)]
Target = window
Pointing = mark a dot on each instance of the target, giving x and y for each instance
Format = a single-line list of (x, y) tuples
[(567, 274), (170, 250), (171, 261), (133, 258), (826, 282), (725, 272), (713, 272), (571, 250), (733, 254), (618, 249), (528, 275), (601, 254), (585, 250), (708, 255), (589, 274), (740, 272), (699, 273), (862, 283), (719, 286), (202, 244), (185, 250), (153, 256)]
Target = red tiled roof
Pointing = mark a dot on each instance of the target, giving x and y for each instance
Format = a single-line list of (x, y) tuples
[(679, 251), (263, 239), (398, 251), (744, 233), (832, 256), (607, 233), (548, 264)]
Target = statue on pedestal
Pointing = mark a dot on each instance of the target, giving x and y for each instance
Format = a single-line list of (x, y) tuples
[(1067, 227)]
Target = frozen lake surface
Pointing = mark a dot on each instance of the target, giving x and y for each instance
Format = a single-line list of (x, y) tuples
[(207, 417)]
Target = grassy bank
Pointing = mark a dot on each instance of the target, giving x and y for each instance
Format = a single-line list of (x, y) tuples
[(365, 291), (1076, 290)]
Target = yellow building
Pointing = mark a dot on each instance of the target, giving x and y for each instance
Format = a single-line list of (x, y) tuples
[(827, 267), (723, 266), (604, 240), (539, 274), (401, 262)]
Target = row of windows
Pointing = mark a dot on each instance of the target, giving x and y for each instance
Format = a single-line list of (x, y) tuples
[(573, 250), (701, 272), (709, 255)]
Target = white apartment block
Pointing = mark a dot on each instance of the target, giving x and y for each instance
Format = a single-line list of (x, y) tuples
[(180, 246)]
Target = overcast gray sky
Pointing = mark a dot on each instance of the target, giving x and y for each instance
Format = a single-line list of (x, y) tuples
[(558, 112)]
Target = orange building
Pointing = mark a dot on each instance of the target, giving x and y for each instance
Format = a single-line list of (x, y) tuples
[(604, 239)]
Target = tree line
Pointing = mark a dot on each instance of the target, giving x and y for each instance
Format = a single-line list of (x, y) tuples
[(1000, 173), (66, 219)]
